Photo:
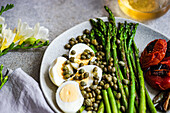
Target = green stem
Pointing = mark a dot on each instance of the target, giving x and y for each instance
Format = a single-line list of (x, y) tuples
[(112, 101), (106, 101), (101, 108)]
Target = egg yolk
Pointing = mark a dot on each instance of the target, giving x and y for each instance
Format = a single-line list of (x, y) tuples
[(84, 61), (69, 93)]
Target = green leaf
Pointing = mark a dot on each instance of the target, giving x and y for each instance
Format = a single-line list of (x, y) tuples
[(8, 6)]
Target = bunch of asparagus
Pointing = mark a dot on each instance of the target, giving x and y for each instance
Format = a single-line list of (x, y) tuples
[(118, 44)]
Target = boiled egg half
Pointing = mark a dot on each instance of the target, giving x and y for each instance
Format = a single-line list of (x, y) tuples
[(89, 69), (69, 97), (56, 70), (79, 49)]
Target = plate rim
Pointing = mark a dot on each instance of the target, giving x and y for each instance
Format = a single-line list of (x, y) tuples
[(103, 18)]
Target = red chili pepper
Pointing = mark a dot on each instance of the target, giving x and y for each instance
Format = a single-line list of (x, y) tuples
[(153, 53)]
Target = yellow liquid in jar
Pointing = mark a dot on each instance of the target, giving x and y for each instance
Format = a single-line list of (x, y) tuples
[(142, 9)]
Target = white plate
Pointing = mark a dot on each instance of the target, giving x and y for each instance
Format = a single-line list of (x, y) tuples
[(143, 36)]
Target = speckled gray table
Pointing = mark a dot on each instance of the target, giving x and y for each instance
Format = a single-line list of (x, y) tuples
[(58, 16)]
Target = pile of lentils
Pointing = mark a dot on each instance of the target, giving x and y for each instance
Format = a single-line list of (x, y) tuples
[(92, 95)]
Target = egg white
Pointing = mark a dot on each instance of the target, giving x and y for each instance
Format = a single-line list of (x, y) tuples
[(53, 72), (69, 107), (89, 69), (79, 49)]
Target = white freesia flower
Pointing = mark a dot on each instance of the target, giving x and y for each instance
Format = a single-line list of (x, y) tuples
[(2, 20), (6, 38), (23, 32), (40, 32)]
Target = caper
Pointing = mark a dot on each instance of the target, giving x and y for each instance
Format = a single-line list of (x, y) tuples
[(86, 40), (109, 78), (101, 47), (67, 62), (88, 44), (95, 109), (79, 37), (94, 94), (98, 101), (81, 64), (71, 59), (86, 74), (113, 69), (82, 83), (86, 95), (92, 99), (89, 108), (81, 88), (111, 84), (97, 91), (76, 77), (99, 97), (118, 95), (83, 36), (93, 87), (83, 57), (122, 63), (105, 69), (115, 87), (86, 31), (95, 76), (95, 69), (106, 86), (73, 52), (85, 53), (99, 87), (101, 66), (110, 68), (111, 59), (87, 89), (75, 41), (115, 80), (95, 105), (80, 40), (100, 56), (72, 42), (81, 71), (81, 77), (113, 74), (88, 102), (66, 76), (67, 46), (88, 56), (72, 39), (92, 54), (90, 63), (64, 67), (97, 64), (104, 63), (90, 95), (94, 42), (118, 41), (111, 64), (94, 62), (83, 92), (65, 55), (122, 108), (126, 81), (87, 50), (97, 53), (101, 83), (95, 82)]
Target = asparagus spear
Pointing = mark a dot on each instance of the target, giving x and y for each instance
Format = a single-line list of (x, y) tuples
[(106, 101), (81, 109), (142, 104), (101, 108), (117, 102), (112, 101), (132, 85)]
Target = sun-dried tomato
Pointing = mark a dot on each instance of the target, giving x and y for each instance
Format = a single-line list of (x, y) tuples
[(153, 53)]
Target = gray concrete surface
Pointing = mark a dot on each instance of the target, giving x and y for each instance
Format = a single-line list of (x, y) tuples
[(58, 16)]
